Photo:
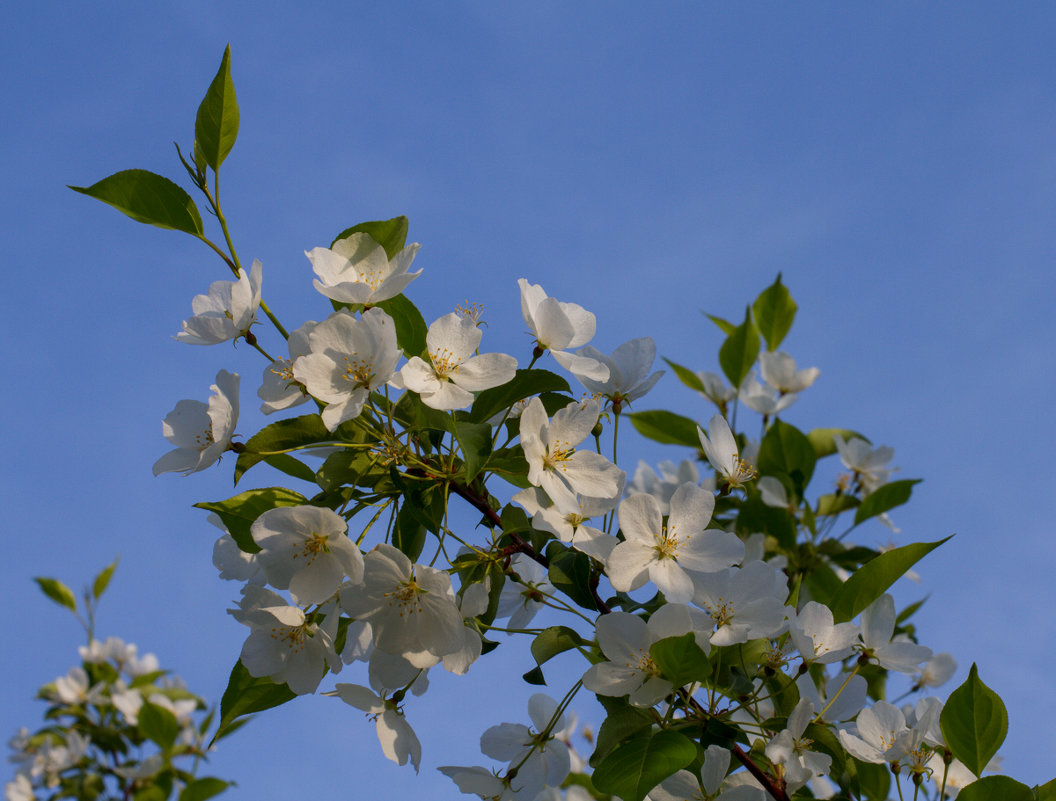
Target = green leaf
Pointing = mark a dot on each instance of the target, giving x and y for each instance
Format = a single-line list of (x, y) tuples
[(1046, 792), (475, 442), (831, 504), (535, 676), (201, 789), (740, 350), (216, 126), (666, 427), (238, 513), (974, 723), (409, 533), (992, 788), (148, 198), (874, 577), (411, 329), (824, 439), (785, 449), (285, 463), (754, 515), (884, 498), (874, 780), (524, 384), (774, 311), (554, 640), (245, 695), (569, 572), (158, 724), (622, 721), (686, 376), (58, 592), (636, 766), (724, 325), (102, 581), (390, 234), (680, 659), (282, 435)]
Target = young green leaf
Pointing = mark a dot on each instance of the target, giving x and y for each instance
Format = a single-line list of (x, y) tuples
[(724, 325), (740, 350), (785, 449), (216, 125), (666, 427), (874, 577), (884, 498), (202, 789), (245, 695), (411, 329), (282, 435), (686, 376), (58, 592), (824, 439), (390, 234), (974, 723), (102, 581), (474, 439), (774, 311), (622, 721), (148, 198), (637, 765), (158, 724)]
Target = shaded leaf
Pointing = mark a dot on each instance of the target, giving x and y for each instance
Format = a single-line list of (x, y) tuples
[(524, 384), (411, 329), (824, 439), (282, 435), (158, 724), (774, 310), (994, 788), (201, 789), (740, 350), (680, 659), (636, 766), (666, 427), (390, 234), (884, 498)]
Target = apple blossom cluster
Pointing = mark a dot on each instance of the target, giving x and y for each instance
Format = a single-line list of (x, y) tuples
[(117, 724), (447, 498)]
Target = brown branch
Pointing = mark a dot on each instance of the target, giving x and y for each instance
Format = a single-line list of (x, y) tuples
[(520, 544)]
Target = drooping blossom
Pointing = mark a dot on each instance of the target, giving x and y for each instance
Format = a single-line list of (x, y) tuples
[(559, 326), (542, 761), (398, 740), (357, 270), (791, 750), (227, 312), (720, 447), (878, 645), (200, 431), (711, 786), (629, 376), (762, 398), (778, 369)]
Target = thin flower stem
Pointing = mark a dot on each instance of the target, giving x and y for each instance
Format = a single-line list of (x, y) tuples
[(254, 344), (836, 695)]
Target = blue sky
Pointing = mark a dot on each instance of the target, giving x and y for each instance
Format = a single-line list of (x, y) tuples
[(896, 162)]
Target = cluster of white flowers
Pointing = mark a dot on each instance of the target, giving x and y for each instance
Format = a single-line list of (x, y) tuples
[(407, 617)]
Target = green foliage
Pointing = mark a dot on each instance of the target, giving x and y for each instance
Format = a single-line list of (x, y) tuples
[(524, 384), (996, 788), (637, 765), (148, 198), (411, 328), (102, 579), (666, 427), (974, 723), (216, 124), (58, 592), (282, 435), (202, 789), (245, 695), (681, 660), (740, 350), (885, 498), (875, 576), (785, 450), (158, 724), (239, 512), (774, 310), (390, 234)]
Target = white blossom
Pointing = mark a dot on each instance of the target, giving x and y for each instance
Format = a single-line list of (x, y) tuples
[(762, 398), (779, 371), (279, 389), (201, 432), (398, 740), (226, 312), (720, 447), (357, 270), (628, 366), (745, 603), (543, 761), (791, 750), (558, 326), (669, 554), (868, 464), (453, 373), (878, 626), (349, 359), (817, 638)]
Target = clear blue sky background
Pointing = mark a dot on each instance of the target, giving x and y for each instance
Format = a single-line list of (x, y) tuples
[(896, 162)]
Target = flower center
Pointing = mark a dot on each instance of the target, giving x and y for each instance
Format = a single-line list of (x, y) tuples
[(721, 612), (291, 637), (555, 459), (666, 544), (314, 545), (445, 362), (205, 439), (358, 372)]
